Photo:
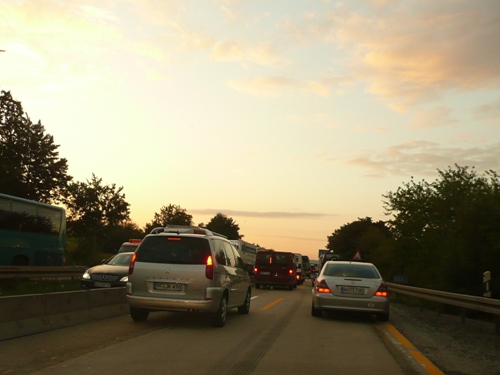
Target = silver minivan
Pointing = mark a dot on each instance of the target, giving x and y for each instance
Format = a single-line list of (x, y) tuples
[(185, 268)]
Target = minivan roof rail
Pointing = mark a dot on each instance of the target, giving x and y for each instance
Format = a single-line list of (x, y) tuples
[(178, 229)]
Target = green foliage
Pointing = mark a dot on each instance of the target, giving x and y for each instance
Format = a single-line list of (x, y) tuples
[(94, 211), (222, 224), (29, 161), (447, 232), (171, 214), (371, 239)]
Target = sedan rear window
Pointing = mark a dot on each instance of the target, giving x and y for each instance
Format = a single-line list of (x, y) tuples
[(174, 250), (351, 270)]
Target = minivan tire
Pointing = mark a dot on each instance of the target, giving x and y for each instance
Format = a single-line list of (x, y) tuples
[(245, 308), (220, 316), (138, 315)]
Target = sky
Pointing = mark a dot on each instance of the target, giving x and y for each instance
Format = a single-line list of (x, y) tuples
[(292, 117)]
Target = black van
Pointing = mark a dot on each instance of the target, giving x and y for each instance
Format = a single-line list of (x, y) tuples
[(275, 268)]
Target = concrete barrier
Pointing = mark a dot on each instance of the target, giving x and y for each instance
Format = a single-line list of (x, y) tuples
[(29, 314)]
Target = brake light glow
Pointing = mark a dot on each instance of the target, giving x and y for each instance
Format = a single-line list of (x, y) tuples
[(132, 264), (255, 270), (382, 291), (174, 238), (322, 287), (134, 240), (209, 269), (290, 272)]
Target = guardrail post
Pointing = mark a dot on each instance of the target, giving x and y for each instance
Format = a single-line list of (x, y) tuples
[(463, 315), (486, 282)]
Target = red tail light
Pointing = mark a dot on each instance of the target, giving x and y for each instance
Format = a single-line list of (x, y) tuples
[(322, 287), (290, 272), (209, 269), (382, 291), (132, 264), (256, 270)]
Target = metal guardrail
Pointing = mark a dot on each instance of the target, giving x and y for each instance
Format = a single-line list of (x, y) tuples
[(26, 272), (466, 302)]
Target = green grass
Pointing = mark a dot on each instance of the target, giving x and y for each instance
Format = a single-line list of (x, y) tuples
[(15, 287)]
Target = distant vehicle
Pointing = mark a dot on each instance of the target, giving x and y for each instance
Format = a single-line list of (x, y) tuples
[(300, 273), (190, 269), (247, 251), (325, 257), (111, 273), (350, 286), (275, 269), (129, 246), (31, 233), (306, 266)]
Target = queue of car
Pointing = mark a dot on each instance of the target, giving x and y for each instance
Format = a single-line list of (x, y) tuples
[(192, 269)]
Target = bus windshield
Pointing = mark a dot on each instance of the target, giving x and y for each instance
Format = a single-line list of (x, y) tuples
[(31, 233)]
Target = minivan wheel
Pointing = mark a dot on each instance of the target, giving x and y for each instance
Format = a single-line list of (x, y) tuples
[(245, 308), (219, 317), (139, 315), (257, 286)]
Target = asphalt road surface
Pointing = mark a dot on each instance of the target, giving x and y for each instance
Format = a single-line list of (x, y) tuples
[(279, 336)]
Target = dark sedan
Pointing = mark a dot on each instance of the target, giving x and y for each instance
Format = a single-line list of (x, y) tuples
[(111, 273)]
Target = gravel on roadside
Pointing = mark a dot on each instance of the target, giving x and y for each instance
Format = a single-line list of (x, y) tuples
[(472, 348)]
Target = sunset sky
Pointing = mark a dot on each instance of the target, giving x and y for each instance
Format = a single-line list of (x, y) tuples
[(292, 117)]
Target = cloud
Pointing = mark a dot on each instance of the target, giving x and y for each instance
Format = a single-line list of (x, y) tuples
[(424, 158), (489, 112), (278, 86), (410, 53), (256, 214), (433, 117)]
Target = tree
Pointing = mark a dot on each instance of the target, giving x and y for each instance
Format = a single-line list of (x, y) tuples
[(222, 224), (29, 161), (362, 235), (93, 211), (171, 214), (448, 231)]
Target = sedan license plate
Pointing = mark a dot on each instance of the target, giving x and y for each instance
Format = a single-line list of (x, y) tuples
[(175, 287), (265, 273), (352, 290), (102, 285)]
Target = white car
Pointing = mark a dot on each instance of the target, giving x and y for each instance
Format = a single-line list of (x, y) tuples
[(350, 286)]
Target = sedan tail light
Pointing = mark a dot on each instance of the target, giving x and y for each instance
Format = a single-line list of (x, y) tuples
[(382, 291), (322, 287)]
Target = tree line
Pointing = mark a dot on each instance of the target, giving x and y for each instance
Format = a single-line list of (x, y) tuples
[(440, 235)]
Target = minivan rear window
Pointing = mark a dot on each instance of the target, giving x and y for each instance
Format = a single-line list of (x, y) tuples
[(278, 260), (174, 250)]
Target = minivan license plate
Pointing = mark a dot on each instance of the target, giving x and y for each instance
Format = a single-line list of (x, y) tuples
[(168, 286)]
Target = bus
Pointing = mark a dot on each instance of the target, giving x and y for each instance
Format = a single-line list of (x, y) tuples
[(31, 233)]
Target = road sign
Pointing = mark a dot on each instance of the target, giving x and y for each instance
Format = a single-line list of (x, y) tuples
[(357, 256)]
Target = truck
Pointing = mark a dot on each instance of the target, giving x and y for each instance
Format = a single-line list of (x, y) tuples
[(247, 251)]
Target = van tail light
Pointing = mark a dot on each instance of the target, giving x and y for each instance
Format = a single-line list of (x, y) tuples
[(322, 287), (209, 269), (290, 271), (255, 270), (132, 264), (382, 291)]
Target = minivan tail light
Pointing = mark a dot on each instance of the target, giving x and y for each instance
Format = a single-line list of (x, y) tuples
[(209, 269), (290, 272), (132, 264), (322, 287), (382, 291)]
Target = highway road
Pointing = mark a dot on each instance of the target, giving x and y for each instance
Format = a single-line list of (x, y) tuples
[(279, 336)]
